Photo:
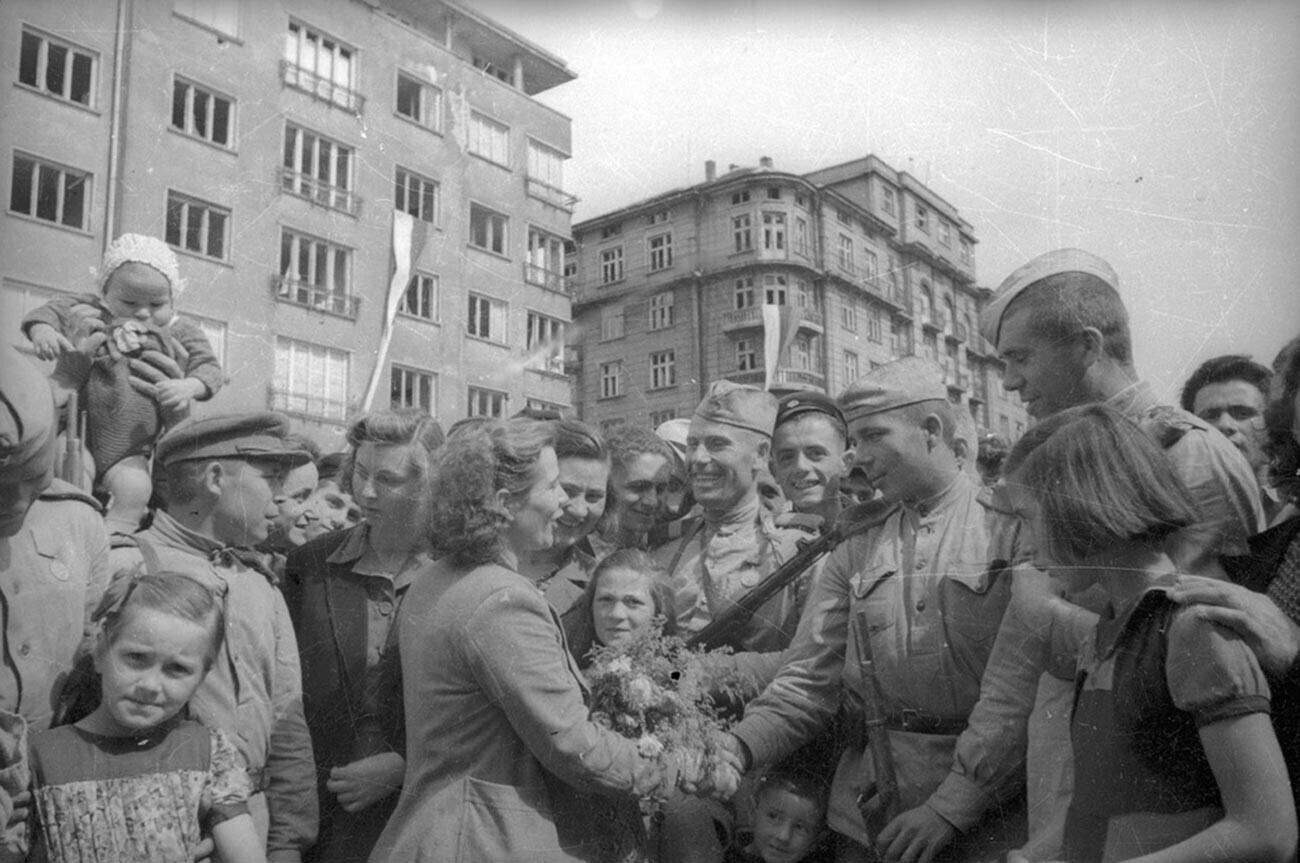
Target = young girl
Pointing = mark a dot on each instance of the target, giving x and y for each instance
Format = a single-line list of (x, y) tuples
[(789, 819), (1175, 757), (626, 592), (137, 780)]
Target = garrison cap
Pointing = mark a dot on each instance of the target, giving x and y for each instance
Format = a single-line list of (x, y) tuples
[(674, 432), (807, 402), (1047, 264), (739, 405), (248, 436), (26, 409), (893, 385)]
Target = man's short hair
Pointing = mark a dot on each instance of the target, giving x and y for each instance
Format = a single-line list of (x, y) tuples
[(1229, 367), (627, 442), (1063, 304), (942, 408)]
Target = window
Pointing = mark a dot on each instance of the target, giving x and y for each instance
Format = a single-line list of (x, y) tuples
[(774, 289), (316, 273), (661, 251), (663, 369), (844, 217), (546, 176), (419, 101), (318, 169), (850, 362), (487, 67), (658, 418), (611, 379), (887, 200), (745, 292), (58, 68), (421, 297), (545, 343), (800, 200), (870, 263), (321, 66), (545, 263), (419, 196), (409, 388), (945, 233), (219, 15), (965, 250), (611, 323), (486, 403), (846, 254), (802, 352), (849, 317), (202, 114), (310, 380), (611, 265), (489, 139), (197, 226), (774, 232), (49, 192), (740, 198), (746, 355), (486, 319), (804, 298), (661, 310), (610, 231), (774, 193), (875, 330), (487, 229), (741, 232), (607, 427), (923, 218), (658, 218), (800, 236)]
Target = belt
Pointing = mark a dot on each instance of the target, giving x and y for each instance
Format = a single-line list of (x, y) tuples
[(919, 723)]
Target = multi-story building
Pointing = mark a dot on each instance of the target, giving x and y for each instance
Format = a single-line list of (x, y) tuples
[(310, 161), (779, 280)]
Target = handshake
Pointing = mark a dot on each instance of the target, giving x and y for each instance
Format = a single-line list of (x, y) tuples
[(713, 771)]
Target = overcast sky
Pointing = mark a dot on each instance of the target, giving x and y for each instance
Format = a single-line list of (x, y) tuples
[(1163, 136)]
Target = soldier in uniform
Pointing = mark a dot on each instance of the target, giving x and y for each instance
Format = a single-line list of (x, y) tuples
[(735, 543), (932, 607), (53, 571), (222, 476), (808, 443)]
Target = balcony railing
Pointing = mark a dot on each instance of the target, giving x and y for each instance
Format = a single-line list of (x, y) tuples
[(548, 194), (752, 316), (782, 375), (322, 299), (319, 192), (325, 89), (936, 321), (552, 280)]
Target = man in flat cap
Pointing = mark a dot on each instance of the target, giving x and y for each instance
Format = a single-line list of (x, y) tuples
[(1062, 330), (220, 478), (808, 444), (735, 544), (932, 612), (53, 571)]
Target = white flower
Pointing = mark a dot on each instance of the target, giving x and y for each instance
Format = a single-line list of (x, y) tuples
[(621, 665), (649, 747)]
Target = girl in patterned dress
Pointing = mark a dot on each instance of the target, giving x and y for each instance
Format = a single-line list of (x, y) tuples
[(136, 779)]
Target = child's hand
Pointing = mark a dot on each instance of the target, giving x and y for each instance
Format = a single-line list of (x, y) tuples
[(48, 342), (366, 781), (21, 801), (176, 394)]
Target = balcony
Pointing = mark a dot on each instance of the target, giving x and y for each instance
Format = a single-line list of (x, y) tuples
[(958, 333), (752, 316), (786, 376), (552, 280), (320, 87), (548, 194), (322, 299), (319, 192), (937, 321)]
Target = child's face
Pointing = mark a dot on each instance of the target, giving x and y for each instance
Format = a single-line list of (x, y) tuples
[(151, 669), (785, 826), (621, 606), (139, 292)]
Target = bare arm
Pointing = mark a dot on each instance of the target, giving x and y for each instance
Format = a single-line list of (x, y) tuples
[(237, 841)]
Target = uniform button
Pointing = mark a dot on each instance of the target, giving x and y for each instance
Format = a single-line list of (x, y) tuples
[(385, 607), (25, 649), (921, 562), (920, 605)]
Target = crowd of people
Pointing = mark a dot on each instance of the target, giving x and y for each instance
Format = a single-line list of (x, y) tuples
[(1081, 645)]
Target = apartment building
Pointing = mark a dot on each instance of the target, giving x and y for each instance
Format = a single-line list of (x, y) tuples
[(366, 197), (780, 280)]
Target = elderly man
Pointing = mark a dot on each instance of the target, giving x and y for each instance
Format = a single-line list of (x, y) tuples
[(807, 461), (1229, 393), (53, 571), (932, 611), (735, 544), (223, 476)]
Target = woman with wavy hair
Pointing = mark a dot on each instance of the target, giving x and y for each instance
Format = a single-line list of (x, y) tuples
[(498, 735)]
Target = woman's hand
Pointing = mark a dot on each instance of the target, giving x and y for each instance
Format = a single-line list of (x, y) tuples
[(366, 781)]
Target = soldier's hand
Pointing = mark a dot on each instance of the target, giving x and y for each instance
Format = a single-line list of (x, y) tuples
[(1256, 618), (916, 836)]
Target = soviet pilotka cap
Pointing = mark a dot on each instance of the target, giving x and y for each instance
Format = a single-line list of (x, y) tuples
[(894, 385), (797, 404), (26, 409), (738, 405), (1047, 264), (248, 436)]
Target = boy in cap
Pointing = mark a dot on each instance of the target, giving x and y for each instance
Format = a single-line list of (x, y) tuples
[(222, 476), (933, 610), (808, 445), (735, 544), (53, 571), (138, 364)]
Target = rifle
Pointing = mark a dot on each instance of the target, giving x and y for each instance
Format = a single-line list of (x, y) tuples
[(878, 803), (724, 628), (73, 466)]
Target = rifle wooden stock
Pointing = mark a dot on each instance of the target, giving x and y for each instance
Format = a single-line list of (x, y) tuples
[(878, 803), (724, 628)]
